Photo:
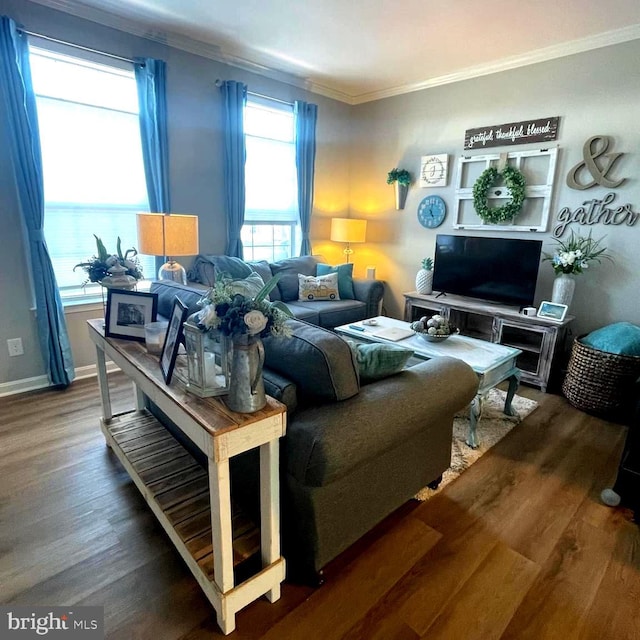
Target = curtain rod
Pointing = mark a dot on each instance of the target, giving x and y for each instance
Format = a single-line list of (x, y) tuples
[(78, 46), (219, 82)]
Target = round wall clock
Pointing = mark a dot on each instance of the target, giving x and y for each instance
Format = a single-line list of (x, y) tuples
[(431, 212), (433, 170)]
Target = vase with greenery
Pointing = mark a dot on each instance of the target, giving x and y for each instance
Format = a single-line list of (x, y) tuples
[(400, 179), (570, 258), (424, 277), (103, 266), (245, 319)]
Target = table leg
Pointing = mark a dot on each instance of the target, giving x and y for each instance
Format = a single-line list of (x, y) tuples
[(270, 509), (220, 498), (514, 383), (103, 384), (475, 411)]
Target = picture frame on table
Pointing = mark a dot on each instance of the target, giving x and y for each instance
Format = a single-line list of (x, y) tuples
[(552, 311), (127, 313), (172, 339)]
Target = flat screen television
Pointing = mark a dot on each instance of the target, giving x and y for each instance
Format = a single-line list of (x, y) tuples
[(501, 270)]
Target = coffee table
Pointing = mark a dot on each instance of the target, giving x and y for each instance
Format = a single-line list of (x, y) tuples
[(493, 363)]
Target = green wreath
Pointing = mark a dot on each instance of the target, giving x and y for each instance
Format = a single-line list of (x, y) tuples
[(515, 182)]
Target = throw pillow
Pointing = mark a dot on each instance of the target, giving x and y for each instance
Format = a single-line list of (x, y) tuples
[(378, 360), (621, 338), (318, 287), (249, 287), (345, 278), (289, 270)]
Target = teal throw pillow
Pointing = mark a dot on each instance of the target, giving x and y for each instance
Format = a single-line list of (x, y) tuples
[(345, 278), (378, 360), (621, 338)]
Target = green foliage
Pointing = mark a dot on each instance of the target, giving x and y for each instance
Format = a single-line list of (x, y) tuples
[(427, 264), (97, 267), (401, 176), (514, 180)]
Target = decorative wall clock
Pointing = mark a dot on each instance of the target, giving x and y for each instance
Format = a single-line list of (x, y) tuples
[(431, 212), (433, 170)]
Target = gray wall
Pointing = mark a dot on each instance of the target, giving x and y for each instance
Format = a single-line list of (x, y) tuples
[(597, 92), (196, 173), (594, 93)]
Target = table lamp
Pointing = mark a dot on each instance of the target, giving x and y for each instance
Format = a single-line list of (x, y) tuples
[(348, 230), (168, 235)]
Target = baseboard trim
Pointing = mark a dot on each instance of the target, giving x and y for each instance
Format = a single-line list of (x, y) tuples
[(42, 382)]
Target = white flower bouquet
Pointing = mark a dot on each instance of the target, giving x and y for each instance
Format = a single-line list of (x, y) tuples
[(574, 255)]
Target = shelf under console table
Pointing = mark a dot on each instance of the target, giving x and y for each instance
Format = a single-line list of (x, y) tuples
[(192, 503), (540, 340)]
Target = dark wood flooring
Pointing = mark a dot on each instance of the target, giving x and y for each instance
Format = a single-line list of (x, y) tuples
[(519, 546)]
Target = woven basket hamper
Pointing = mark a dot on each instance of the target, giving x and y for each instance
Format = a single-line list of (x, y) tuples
[(599, 382)]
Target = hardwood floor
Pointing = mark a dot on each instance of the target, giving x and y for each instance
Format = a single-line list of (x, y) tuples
[(518, 547)]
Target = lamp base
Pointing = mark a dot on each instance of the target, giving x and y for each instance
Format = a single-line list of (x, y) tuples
[(171, 270)]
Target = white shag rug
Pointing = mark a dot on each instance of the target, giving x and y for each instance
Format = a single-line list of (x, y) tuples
[(492, 427)]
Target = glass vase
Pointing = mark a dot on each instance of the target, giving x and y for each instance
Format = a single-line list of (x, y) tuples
[(563, 288)]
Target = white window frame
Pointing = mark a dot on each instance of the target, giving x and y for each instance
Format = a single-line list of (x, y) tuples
[(92, 292), (273, 218)]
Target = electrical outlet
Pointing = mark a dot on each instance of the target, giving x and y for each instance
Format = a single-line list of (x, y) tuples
[(15, 347)]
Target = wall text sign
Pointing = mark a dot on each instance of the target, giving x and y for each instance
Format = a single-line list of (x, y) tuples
[(511, 133), (596, 211), (594, 148)]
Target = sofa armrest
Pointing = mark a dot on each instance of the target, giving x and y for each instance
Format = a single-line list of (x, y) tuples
[(370, 292), (326, 442)]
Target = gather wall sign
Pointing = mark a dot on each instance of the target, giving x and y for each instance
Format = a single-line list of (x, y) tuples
[(599, 163)]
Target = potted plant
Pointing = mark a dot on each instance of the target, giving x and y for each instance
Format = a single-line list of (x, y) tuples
[(424, 277), (400, 179)]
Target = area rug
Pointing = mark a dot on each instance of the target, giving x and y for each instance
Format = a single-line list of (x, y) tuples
[(492, 427)]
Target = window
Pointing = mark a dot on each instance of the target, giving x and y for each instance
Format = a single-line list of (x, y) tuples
[(92, 162), (271, 206)]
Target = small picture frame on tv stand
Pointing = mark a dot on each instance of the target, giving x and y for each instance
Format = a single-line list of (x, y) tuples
[(552, 311)]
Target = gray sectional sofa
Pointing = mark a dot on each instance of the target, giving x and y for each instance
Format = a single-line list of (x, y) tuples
[(353, 452), (364, 302)]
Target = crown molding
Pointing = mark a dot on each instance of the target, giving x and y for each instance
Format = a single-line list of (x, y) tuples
[(608, 38), (134, 24)]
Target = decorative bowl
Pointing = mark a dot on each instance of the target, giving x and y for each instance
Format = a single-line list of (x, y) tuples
[(429, 338)]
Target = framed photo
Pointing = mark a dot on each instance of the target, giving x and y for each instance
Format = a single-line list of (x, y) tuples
[(433, 170), (128, 312), (552, 311), (172, 339)]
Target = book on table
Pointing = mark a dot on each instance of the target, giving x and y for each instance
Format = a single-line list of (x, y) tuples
[(393, 333)]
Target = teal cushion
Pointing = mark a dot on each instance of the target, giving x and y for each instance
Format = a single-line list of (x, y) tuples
[(378, 360), (345, 278), (622, 338)]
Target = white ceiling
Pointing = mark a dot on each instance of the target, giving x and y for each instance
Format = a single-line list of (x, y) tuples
[(361, 50)]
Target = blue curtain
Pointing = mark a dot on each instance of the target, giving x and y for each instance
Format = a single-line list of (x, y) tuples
[(151, 80), (234, 98), (306, 115), (24, 142)]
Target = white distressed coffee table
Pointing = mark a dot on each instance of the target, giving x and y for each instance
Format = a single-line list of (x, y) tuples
[(493, 363)]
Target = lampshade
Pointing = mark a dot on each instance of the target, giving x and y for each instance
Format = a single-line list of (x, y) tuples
[(168, 235), (348, 230)]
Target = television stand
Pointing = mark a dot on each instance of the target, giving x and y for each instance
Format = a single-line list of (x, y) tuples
[(540, 340)]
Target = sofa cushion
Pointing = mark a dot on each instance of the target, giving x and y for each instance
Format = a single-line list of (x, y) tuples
[(332, 313), (320, 363), (318, 287), (167, 290), (345, 278), (378, 360), (206, 269), (621, 338), (262, 268), (289, 270)]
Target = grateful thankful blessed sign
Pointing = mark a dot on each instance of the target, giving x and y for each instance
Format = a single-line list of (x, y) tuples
[(511, 133)]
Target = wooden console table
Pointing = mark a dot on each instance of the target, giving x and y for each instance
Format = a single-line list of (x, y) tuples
[(193, 506)]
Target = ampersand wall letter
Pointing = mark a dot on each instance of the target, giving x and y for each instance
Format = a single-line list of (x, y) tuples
[(594, 148)]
